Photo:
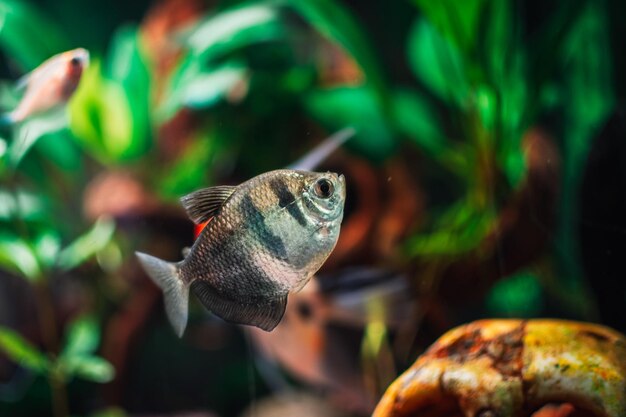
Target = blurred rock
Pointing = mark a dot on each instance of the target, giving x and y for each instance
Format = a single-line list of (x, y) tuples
[(562, 410)]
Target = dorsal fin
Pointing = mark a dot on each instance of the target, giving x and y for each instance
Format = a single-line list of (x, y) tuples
[(203, 204), (317, 155)]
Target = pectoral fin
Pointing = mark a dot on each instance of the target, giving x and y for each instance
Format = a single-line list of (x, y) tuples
[(203, 204), (263, 313)]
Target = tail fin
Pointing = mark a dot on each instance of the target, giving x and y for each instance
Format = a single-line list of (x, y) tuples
[(176, 292)]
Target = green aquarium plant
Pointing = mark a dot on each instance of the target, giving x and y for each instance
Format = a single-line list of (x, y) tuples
[(226, 92), (39, 242)]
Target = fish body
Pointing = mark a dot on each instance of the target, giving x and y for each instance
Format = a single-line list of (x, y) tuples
[(49, 85), (264, 239)]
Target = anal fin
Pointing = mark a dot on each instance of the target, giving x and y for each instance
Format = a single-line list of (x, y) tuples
[(262, 313)]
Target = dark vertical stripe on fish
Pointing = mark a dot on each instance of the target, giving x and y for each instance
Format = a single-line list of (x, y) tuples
[(287, 199), (263, 233)]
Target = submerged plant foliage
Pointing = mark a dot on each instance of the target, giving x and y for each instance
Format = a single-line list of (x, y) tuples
[(195, 94)]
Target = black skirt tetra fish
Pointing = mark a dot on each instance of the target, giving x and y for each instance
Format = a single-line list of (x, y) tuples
[(265, 238)]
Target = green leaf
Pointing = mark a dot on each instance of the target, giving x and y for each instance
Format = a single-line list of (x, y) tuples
[(519, 295), (60, 148), (89, 367), (110, 258), (83, 337), (110, 110), (127, 66), (17, 256), (87, 245), (32, 130), (497, 40), (332, 20), (77, 358), (359, 108), (437, 63), (47, 246), (208, 89), (232, 29), (101, 117), (200, 90), (514, 165), (418, 120), (458, 230), (3, 148), (22, 352), (21, 205), (589, 95), (588, 98), (190, 172), (456, 20), (27, 35), (552, 36), (487, 106)]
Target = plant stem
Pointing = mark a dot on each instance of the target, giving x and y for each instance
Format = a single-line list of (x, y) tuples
[(47, 323), (59, 395)]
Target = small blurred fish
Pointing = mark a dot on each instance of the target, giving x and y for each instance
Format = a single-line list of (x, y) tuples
[(265, 238), (49, 85), (322, 336)]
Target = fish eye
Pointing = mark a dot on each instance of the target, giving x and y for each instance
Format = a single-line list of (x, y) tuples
[(324, 188)]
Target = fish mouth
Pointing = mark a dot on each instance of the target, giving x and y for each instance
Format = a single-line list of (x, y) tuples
[(82, 55), (342, 181)]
